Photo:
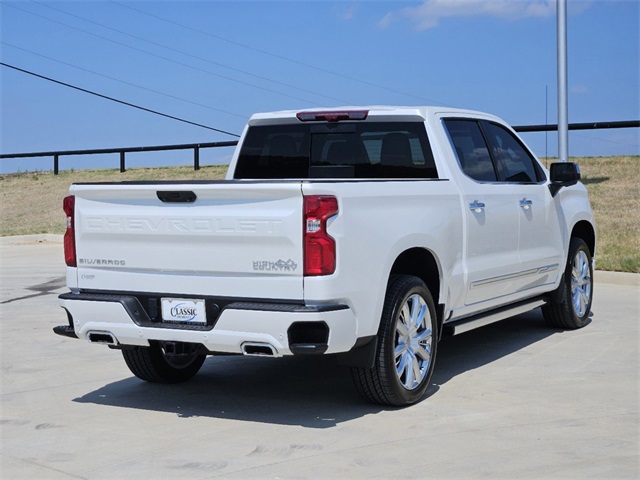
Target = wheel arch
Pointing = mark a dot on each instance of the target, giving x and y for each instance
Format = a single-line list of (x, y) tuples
[(584, 230), (422, 263)]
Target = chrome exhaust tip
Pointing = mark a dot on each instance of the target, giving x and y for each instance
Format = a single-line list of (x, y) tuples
[(104, 338), (258, 349)]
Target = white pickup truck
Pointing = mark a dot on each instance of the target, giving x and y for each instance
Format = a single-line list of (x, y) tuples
[(361, 232)]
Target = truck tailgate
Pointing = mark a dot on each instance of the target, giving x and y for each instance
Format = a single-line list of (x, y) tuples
[(234, 237)]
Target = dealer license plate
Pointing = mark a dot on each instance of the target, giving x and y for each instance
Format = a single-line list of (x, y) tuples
[(184, 310)]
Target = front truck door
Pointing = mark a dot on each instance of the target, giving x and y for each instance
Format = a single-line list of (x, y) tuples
[(540, 245), (540, 241)]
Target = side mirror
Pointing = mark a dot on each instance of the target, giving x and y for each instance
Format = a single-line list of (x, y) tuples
[(563, 174)]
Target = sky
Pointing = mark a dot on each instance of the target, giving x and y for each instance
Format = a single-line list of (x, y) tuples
[(215, 63)]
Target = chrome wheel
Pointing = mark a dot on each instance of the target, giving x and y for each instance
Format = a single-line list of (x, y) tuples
[(570, 305), (413, 339), (406, 347), (581, 284)]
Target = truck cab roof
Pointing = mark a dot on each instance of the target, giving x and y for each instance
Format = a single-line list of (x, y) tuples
[(373, 113)]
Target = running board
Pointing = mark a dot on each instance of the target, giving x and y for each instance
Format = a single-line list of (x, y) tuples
[(460, 326)]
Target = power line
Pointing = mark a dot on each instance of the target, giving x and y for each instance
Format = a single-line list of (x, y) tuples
[(125, 82), (209, 72), (182, 52), (155, 112), (274, 55)]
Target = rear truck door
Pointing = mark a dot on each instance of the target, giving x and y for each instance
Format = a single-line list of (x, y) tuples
[(491, 243), (228, 239)]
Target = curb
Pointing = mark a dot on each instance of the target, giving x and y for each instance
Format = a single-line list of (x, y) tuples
[(617, 278)]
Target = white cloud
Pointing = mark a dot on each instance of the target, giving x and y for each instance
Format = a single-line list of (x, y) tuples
[(386, 21), (348, 13), (429, 13)]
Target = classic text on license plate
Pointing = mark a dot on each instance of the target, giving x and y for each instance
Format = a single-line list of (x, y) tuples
[(183, 310)]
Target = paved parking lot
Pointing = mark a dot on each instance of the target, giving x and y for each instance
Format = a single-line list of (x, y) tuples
[(511, 400)]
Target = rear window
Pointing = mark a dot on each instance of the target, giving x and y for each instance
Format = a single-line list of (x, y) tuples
[(336, 150)]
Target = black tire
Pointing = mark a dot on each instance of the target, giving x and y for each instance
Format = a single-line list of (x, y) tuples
[(152, 365), (382, 384), (569, 306)]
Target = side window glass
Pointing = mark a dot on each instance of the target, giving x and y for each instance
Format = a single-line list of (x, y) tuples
[(471, 149), (513, 161)]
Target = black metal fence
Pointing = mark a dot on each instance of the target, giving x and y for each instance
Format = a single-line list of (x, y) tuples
[(196, 147), (579, 126)]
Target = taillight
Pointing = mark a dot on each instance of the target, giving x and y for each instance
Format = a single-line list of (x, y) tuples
[(319, 246), (69, 205)]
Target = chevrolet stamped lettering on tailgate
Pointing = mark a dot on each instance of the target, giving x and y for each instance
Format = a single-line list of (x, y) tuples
[(178, 225)]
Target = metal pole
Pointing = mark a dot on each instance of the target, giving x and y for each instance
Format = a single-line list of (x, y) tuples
[(196, 158), (122, 169), (546, 122), (55, 164), (563, 104)]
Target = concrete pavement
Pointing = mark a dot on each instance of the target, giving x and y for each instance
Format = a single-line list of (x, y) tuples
[(511, 400)]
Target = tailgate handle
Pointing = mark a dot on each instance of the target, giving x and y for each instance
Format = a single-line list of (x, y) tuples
[(176, 196)]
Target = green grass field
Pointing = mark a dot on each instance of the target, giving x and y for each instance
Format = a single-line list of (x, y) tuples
[(32, 202)]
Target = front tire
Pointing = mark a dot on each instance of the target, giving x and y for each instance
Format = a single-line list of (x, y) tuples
[(570, 305), (407, 344), (152, 364)]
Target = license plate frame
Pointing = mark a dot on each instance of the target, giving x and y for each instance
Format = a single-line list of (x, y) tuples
[(184, 311)]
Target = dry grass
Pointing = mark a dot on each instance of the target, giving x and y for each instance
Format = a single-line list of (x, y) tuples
[(614, 191), (32, 202)]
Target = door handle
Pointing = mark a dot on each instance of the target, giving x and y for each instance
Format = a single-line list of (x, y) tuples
[(171, 196), (476, 206), (526, 203)]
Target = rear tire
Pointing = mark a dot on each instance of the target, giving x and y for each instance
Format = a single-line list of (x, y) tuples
[(153, 365), (407, 346), (570, 305)]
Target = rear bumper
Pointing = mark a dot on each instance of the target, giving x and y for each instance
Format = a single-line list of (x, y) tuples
[(233, 325)]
